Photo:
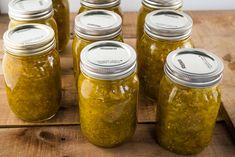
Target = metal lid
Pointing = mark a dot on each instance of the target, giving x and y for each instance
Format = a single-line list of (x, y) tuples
[(29, 39), (99, 4), (168, 25), (195, 68), (26, 10), (98, 25), (163, 4), (108, 60)]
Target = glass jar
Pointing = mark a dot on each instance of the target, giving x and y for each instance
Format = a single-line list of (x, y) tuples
[(61, 15), (165, 31), (108, 93), (31, 68), (92, 26), (32, 11), (151, 5), (111, 5), (189, 100)]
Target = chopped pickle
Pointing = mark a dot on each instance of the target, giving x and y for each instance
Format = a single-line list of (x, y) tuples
[(108, 109), (141, 20), (61, 15), (77, 46), (152, 54), (33, 85), (186, 116), (116, 9), (49, 22)]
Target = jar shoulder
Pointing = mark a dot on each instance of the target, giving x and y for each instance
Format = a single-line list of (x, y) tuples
[(174, 93), (31, 65), (150, 45), (108, 89)]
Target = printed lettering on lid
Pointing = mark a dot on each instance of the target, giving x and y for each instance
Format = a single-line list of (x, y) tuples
[(169, 20), (98, 20), (28, 35), (31, 5), (196, 64), (108, 56)]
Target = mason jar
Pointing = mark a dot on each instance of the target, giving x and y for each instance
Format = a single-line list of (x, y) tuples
[(189, 100), (32, 11), (112, 5), (31, 69), (108, 93), (165, 31), (152, 5), (92, 26), (61, 16)]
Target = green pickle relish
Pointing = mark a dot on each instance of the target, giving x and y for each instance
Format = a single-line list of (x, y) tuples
[(31, 68), (108, 93), (189, 101), (61, 16), (165, 31)]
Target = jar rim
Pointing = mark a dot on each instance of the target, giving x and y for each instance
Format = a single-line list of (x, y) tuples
[(29, 40), (195, 68), (108, 60), (18, 11), (98, 25), (160, 4), (100, 4), (158, 24)]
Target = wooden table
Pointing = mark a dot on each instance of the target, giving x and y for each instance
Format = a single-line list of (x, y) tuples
[(61, 136)]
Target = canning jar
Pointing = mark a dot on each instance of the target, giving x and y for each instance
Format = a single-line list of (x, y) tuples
[(112, 5), (152, 5), (61, 16), (91, 26), (108, 93), (165, 31), (189, 100), (32, 11), (31, 68)]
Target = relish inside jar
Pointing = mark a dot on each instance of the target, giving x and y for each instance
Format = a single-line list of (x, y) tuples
[(108, 93), (189, 101), (165, 31), (61, 16), (31, 68)]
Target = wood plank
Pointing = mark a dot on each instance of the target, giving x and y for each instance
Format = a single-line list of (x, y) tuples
[(228, 110), (4, 20), (69, 141)]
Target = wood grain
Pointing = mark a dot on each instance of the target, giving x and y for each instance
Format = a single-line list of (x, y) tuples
[(69, 142)]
